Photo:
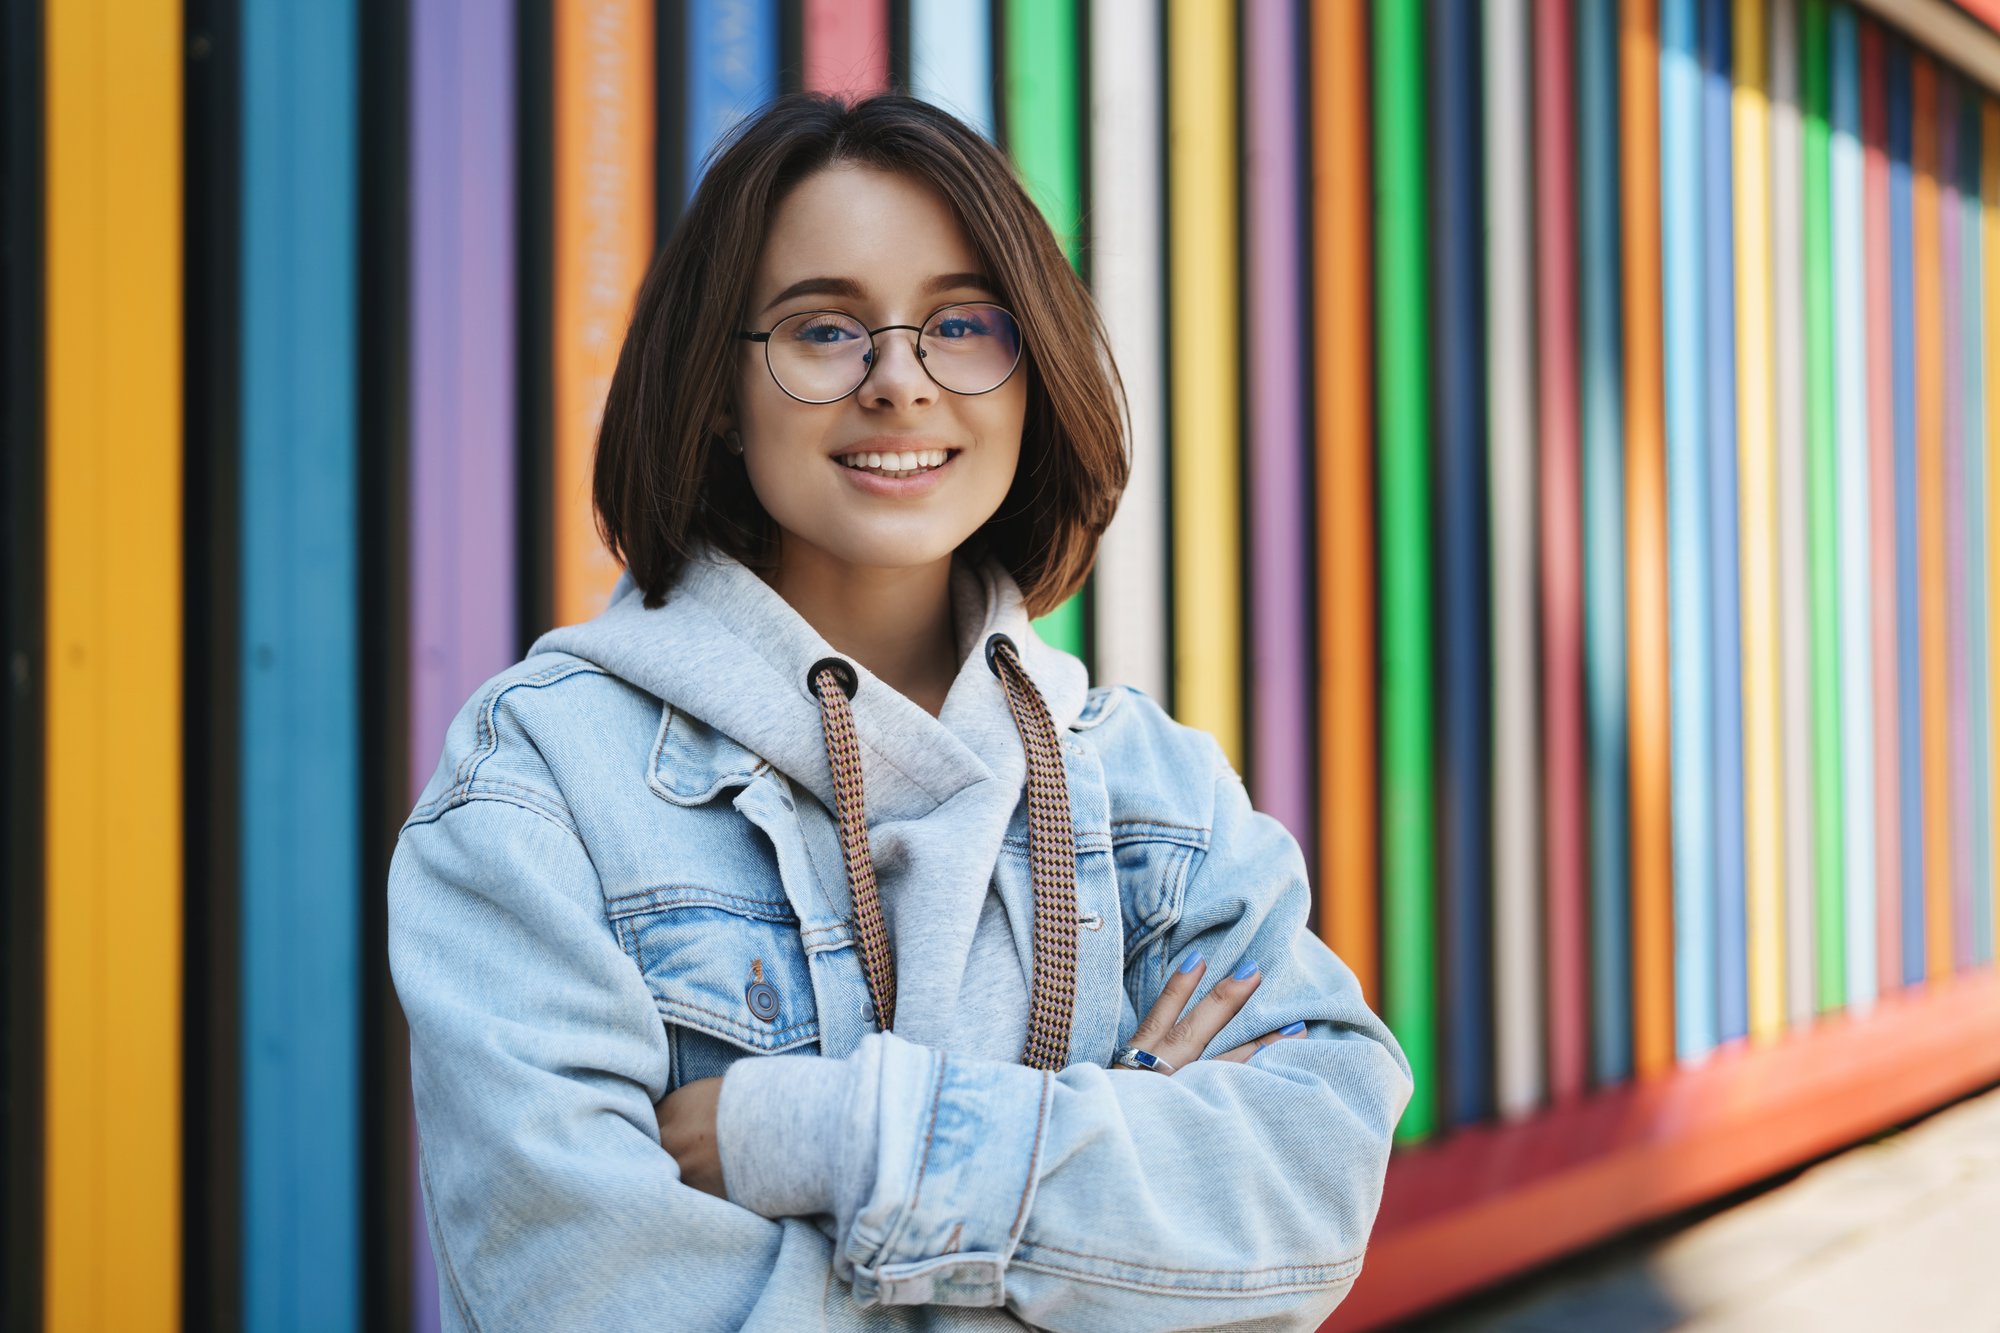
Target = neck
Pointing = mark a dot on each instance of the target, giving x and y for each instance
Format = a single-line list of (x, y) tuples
[(896, 622)]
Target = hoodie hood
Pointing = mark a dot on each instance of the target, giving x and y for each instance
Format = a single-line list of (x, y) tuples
[(726, 649)]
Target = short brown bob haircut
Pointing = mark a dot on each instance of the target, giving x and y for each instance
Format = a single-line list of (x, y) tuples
[(664, 487)]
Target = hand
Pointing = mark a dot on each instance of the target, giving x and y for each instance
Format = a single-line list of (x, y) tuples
[(687, 1131), (1181, 1040)]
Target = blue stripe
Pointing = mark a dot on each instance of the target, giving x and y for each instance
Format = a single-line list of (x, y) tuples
[(1465, 808), (731, 71), (1732, 960), (1600, 333), (1903, 331), (300, 746), (951, 58), (1690, 578)]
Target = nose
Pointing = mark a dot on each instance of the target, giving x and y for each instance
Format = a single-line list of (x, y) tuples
[(896, 377)]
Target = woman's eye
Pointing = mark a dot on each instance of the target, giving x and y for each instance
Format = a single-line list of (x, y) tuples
[(829, 331), (959, 327)]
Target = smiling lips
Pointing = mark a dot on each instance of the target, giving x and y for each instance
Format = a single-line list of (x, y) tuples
[(908, 463)]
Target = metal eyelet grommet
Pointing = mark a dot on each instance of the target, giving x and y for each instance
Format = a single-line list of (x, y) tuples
[(993, 642), (843, 672)]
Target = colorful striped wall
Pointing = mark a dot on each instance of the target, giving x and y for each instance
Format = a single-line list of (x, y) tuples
[(1560, 481)]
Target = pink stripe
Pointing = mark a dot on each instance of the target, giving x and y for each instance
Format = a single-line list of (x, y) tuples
[(1561, 553), (846, 46)]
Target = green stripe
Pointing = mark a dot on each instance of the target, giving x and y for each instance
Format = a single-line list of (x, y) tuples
[(1409, 925), (1815, 75), (1041, 92)]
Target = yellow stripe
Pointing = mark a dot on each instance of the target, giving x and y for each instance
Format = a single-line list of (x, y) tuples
[(1201, 130), (112, 1202), (1763, 770)]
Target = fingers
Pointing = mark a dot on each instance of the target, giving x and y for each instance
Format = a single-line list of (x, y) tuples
[(1181, 1039), (1250, 1048)]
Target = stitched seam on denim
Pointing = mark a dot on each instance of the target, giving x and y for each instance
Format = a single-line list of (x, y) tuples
[(1124, 832), (1307, 1279), (467, 798), (489, 731), (443, 1253), (647, 899), (673, 1008), (939, 1061), (1034, 1159), (1348, 1262)]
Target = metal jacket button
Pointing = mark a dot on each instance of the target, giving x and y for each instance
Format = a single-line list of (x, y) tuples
[(763, 997)]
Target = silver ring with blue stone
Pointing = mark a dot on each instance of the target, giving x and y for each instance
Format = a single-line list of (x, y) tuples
[(1133, 1058)]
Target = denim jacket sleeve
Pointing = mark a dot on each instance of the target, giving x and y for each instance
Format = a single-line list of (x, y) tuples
[(1234, 1194), (536, 1055)]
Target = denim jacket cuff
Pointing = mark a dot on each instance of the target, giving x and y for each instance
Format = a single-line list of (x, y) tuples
[(960, 1148), (779, 1123)]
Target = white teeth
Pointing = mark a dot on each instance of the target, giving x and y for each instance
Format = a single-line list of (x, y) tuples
[(907, 460), (873, 460), (901, 464)]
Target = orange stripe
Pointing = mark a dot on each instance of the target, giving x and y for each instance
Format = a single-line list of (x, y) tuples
[(1930, 519), (1343, 378), (1646, 544), (603, 237)]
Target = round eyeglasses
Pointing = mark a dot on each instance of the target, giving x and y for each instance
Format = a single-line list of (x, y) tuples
[(821, 356)]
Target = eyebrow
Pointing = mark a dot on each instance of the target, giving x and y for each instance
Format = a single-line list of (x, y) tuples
[(853, 290)]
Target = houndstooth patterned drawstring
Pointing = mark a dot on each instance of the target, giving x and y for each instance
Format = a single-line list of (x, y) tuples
[(1051, 850)]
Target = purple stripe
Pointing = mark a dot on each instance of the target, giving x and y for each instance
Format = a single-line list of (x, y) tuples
[(1280, 710), (461, 578)]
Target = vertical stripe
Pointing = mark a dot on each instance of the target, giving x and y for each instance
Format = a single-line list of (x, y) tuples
[(1519, 1059), (301, 822), (951, 57), (1344, 477), (1691, 581), (1280, 550), (23, 595), (1719, 294), (461, 507), (1885, 658), (603, 238), (1646, 543), (1792, 486), (1403, 481), (1956, 759), (1829, 947), (729, 69), (1201, 282), (1851, 413), (1909, 730), (1975, 725), (112, 1091), (1042, 93), (1927, 353), (1564, 837), (1458, 445), (846, 46), (1595, 66), (1763, 755), (1130, 578), (1989, 200)]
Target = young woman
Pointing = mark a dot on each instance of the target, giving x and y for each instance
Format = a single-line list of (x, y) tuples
[(802, 943)]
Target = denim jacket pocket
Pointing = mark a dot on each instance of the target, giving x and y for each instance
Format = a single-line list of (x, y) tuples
[(727, 970)]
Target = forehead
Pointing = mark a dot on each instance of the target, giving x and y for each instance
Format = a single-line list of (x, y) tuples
[(888, 230)]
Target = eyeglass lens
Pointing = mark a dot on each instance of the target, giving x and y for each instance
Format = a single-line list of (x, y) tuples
[(823, 355)]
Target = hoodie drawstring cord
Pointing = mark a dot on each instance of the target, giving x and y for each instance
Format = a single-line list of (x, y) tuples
[(1051, 850)]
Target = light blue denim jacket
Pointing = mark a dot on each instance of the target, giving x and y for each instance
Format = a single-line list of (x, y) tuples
[(632, 826)]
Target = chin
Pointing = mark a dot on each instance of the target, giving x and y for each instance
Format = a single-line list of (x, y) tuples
[(887, 550)]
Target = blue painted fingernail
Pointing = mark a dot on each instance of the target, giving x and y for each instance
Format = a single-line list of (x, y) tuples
[(1248, 969), (1193, 961), (1293, 1030)]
